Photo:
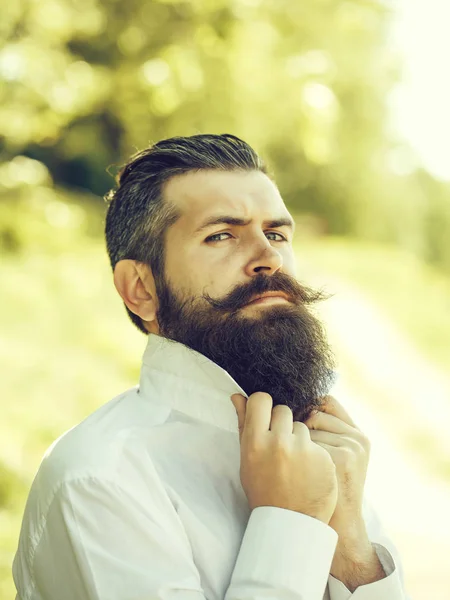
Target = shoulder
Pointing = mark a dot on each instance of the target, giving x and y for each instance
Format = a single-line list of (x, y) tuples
[(99, 445), (92, 473)]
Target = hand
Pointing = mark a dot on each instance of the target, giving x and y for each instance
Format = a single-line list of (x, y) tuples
[(280, 465), (333, 429), (355, 561)]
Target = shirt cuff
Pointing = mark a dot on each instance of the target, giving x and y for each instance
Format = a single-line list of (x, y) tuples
[(389, 588), (283, 550)]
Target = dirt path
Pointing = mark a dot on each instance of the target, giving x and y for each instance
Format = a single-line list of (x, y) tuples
[(396, 392)]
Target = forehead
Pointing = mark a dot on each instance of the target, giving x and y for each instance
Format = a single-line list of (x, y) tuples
[(244, 194)]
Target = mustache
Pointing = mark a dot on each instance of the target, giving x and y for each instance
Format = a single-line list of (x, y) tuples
[(241, 295)]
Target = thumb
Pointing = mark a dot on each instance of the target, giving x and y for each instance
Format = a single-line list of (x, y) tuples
[(238, 401)]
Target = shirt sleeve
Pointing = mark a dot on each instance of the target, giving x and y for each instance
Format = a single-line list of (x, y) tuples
[(392, 587), (99, 543), (284, 555)]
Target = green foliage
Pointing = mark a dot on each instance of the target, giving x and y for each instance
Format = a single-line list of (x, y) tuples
[(88, 83)]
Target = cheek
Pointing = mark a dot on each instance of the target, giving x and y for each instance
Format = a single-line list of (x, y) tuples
[(177, 271), (193, 273), (221, 271)]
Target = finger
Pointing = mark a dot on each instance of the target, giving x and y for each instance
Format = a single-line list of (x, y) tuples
[(239, 403), (327, 422), (258, 414), (282, 420), (333, 407), (333, 439), (300, 430)]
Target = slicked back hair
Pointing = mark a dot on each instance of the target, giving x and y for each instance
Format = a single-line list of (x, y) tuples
[(138, 216)]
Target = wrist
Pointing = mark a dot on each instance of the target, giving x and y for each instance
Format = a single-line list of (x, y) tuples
[(354, 544), (359, 567), (354, 534), (356, 552)]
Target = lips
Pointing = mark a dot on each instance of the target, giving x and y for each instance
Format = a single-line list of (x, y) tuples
[(269, 295)]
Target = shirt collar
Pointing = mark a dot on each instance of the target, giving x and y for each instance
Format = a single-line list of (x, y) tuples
[(189, 382)]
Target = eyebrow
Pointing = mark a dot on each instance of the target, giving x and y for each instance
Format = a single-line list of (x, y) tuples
[(229, 220)]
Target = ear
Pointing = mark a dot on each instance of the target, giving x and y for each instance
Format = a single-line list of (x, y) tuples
[(135, 283)]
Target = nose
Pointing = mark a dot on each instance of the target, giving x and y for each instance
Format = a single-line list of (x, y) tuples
[(268, 260)]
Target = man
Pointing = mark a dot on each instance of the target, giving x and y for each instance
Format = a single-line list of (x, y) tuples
[(228, 472)]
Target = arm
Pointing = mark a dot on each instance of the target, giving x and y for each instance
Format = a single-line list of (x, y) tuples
[(368, 568), (283, 555), (99, 542), (361, 569)]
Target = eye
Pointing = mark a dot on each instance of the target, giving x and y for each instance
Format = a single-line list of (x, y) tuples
[(283, 239), (216, 236)]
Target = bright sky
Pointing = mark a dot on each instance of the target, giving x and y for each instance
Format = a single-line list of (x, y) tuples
[(421, 104)]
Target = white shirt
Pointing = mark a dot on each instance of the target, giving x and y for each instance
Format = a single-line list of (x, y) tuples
[(143, 501)]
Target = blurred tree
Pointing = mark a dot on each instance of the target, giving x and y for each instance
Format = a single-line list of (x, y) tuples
[(86, 83)]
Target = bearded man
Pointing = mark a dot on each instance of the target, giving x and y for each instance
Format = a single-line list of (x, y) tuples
[(228, 472)]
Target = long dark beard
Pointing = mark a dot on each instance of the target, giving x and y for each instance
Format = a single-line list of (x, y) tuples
[(282, 350)]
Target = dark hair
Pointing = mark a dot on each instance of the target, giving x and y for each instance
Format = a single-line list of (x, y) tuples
[(137, 215)]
